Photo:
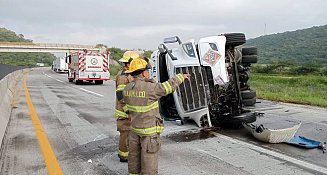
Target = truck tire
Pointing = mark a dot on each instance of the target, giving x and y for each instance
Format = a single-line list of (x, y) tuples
[(249, 102), (78, 82), (235, 39), (249, 51), (248, 94), (249, 59), (98, 81), (236, 121)]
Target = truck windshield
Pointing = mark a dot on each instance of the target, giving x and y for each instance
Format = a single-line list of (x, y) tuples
[(188, 48)]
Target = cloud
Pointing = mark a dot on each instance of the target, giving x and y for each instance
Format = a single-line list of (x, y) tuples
[(144, 23)]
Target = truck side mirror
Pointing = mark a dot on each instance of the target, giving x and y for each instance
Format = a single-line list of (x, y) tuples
[(68, 59), (163, 49), (173, 39)]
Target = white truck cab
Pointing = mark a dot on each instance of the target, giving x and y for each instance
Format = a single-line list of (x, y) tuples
[(210, 96)]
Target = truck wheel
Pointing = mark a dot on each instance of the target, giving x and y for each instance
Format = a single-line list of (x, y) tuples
[(235, 39), (248, 94), (249, 102), (249, 59), (98, 81), (78, 81), (236, 121), (249, 51)]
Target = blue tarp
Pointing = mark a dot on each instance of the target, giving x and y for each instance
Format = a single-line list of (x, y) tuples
[(304, 142)]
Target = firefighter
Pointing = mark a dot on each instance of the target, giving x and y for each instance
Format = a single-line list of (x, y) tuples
[(123, 122), (141, 98)]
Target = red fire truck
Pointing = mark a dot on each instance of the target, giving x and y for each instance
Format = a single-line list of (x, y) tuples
[(89, 66)]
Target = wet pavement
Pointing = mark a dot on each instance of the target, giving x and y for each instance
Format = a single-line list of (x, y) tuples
[(283, 115), (81, 130)]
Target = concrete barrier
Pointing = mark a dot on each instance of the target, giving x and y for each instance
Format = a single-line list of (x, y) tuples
[(8, 91)]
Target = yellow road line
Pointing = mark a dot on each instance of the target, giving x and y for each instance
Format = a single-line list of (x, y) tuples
[(48, 154)]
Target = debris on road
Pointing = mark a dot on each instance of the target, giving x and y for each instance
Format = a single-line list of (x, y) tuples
[(307, 143), (272, 135), (286, 135)]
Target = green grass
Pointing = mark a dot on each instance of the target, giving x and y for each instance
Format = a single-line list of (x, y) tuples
[(305, 89), (113, 69)]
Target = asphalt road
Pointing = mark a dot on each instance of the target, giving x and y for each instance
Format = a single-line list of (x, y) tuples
[(79, 123), (7, 69)]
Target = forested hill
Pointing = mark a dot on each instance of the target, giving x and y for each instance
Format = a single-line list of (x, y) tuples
[(30, 59), (21, 59), (306, 46)]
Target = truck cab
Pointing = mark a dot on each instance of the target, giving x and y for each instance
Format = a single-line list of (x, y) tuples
[(214, 94)]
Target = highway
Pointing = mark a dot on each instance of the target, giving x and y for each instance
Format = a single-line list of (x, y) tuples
[(62, 128)]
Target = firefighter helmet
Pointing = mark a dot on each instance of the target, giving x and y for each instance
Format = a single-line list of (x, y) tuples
[(138, 64), (129, 56)]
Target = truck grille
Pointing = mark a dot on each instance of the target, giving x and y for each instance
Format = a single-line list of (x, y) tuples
[(192, 94)]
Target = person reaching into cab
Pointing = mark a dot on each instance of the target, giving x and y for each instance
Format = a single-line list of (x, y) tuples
[(141, 102)]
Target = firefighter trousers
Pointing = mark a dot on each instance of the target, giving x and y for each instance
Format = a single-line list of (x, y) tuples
[(123, 126), (143, 154), (123, 145)]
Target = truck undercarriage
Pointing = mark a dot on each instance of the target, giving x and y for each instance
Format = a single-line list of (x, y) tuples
[(223, 101)]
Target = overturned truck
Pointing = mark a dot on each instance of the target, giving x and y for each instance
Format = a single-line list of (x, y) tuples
[(218, 88)]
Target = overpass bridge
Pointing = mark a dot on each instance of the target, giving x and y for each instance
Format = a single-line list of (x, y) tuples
[(43, 47)]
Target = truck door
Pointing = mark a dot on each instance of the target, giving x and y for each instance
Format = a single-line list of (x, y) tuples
[(212, 53), (93, 63)]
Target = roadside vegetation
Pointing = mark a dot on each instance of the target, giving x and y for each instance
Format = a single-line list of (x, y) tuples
[(305, 46), (292, 66), (30, 59), (113, 69), (22, 59), (302, 84)]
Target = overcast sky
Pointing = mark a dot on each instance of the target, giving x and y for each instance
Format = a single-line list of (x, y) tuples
[(144, 23)]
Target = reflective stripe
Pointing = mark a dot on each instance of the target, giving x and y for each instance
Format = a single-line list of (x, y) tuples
[(125, 108), (167, 87), (133, 174), (180, 77), (122, 153), (121, 114), (141, 108), (170, 88), (120, 87), (148, 131)]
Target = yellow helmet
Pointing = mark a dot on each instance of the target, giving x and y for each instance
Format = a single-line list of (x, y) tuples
[(128, 56), (138, 64)]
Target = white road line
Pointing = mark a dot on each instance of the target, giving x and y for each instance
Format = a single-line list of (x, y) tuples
[(52, 77), (275, 154), (99, 137), (91, 92), (47, 75), (59, 80)]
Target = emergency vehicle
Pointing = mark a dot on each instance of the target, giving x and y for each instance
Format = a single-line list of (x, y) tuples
[(89, 66)]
